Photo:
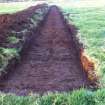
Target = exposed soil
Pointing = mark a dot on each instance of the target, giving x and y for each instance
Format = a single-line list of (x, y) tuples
[(50, 64), (15, 22)]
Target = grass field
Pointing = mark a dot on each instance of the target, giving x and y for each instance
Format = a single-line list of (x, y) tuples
[(14, 7), (91, 22), (80, 97)]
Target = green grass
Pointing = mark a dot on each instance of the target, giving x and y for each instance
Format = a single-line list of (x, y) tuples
[(91, 23), (13, 39), (78, 97), (13, 7)]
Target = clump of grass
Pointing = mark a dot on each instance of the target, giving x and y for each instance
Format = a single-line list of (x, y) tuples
[(54, 99), (100, 97), (82, 97), (13, 39), (7, 54), (34, 22), (38, 16)]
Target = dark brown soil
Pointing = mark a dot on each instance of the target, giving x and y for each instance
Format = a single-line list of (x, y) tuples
[(15, 22), (50, 64)]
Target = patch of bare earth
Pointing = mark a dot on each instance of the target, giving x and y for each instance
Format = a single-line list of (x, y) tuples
[(50, 64)]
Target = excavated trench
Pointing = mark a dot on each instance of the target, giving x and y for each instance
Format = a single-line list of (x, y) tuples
[(50, 64)]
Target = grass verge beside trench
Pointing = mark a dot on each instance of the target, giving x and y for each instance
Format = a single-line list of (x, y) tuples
[(13, 7), (91, 25), (79, 97)]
